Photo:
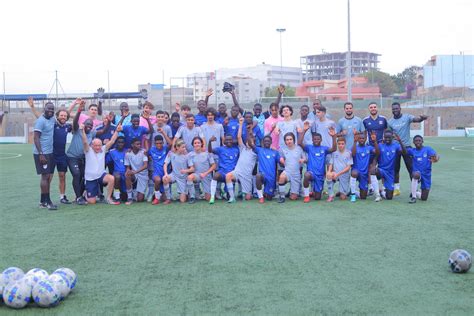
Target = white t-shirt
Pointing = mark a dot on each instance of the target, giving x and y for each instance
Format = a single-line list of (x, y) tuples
[(95, 164)]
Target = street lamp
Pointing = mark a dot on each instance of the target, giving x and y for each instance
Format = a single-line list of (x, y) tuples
[(281, 55), (349, 55)]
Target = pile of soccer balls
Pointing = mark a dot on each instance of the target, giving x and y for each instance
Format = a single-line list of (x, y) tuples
[(46, 290)]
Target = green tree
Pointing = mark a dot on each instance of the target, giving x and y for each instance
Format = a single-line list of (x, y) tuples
[(385, 82), (273, 92), (406, 77)]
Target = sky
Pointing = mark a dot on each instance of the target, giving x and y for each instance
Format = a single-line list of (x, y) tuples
[(139, 41)]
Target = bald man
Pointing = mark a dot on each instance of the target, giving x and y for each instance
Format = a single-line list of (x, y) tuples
[(95, 174)]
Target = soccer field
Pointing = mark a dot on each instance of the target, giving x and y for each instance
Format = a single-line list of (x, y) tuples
[(292, 258)]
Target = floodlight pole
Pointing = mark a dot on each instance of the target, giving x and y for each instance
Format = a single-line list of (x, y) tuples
[(349, 55), (56, 81), (4, 92), (281, 30)]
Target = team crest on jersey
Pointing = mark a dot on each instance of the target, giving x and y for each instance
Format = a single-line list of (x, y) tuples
[(381, 122), (268, 156), (425, 155)]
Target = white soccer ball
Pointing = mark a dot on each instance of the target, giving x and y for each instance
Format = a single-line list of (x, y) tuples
[(62, 283), (460, 261), (71, 276), (34, 276), (17, 294), (13, 274), (46, 294)]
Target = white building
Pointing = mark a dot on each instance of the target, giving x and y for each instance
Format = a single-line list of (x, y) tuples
[(247, 90)]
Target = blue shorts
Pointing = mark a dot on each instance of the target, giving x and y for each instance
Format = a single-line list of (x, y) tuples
[(160, 173), (123, 186), (223, 175), (92, 187), (425, 179), (269, 184), (388, 177), (317, 183), (60, 161), (363, 179)]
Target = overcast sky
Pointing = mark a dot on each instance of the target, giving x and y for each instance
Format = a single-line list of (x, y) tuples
[(138, 40)]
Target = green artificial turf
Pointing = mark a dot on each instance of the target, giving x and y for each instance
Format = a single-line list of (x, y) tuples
[(246, 258)]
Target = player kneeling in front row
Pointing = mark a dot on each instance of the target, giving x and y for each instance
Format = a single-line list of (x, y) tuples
[(423, 157), (386, 165), (292, 157), (338, 170), (244, 167), (228, 155), (182, 166), (316, 166), (136, 162), (204, 165), (95, 174), (158, 154), (117, 156), (361, 152), (267, 169)]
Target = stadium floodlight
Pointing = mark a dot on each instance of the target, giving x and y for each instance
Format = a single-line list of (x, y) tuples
[(281, 30), (144, 93)]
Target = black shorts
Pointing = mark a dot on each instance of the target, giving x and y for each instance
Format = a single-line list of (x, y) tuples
[(61, 163), (47, 168)]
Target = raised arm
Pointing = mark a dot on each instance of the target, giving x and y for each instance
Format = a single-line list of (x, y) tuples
[(373, 137), (421, 118), (208, 94), (85, 142), (73, 105), (239, 132), (356, 140), (31, 103), (281, 90), (397, 137), (114, 137), (75, 121), (306, 127), (332, 133), (99, 108), (209, 145)]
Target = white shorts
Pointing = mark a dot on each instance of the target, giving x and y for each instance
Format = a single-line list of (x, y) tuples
[(295, 182), (206, 182), (245, 181), (180, 183)]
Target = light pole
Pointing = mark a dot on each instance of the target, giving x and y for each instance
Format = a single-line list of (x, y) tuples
[(349, 57), (281, 55)]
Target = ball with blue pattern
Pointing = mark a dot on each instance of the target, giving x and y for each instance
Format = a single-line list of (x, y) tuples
[(46, 294), (460, 261), (17, 294)]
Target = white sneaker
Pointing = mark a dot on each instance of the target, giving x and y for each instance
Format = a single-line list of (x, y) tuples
[(378, 198)]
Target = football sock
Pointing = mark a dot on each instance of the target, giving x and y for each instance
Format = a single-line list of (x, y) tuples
[(281, 190), (230, 188), (157, 194), (129, 194), (330, 187), (167, 191), (116, 194), (306, 192), (414, 186), (191, 189), (353, 185), (260, 193), (397, 186), (375, 184), (213, 187)]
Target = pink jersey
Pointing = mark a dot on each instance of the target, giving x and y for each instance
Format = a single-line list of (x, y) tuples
[(267, 126), (83, 117), (144, 123)]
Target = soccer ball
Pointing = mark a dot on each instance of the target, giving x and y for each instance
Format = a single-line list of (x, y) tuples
[(13, 274), (70, 275), (17, 294), (46, 294), (62, 283), (34, 276), (8, 275), (460, 261)]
